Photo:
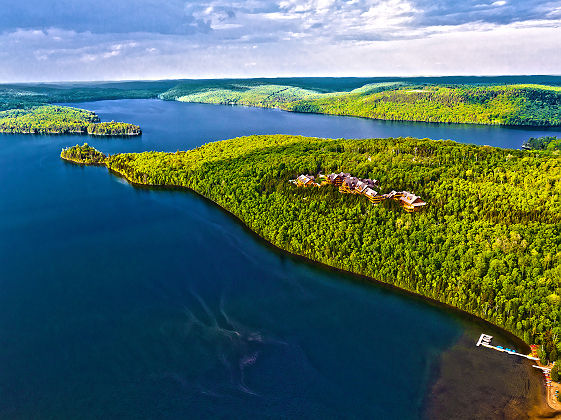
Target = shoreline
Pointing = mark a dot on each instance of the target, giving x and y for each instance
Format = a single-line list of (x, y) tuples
[(361, 277), (77, 162), (280, 108), (450, 396), (539, 410), (72, 133)]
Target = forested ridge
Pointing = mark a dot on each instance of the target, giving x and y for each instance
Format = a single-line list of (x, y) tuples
[(530, 104), (47, 119), (53, 119), (113, 128), (496, 105), (25, 95), (523, 101), (488, 241)]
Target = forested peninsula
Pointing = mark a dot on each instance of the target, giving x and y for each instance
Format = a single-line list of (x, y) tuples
[(52, 119), (488, 241)]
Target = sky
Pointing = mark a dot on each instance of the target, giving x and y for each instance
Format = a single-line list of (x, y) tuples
[(76, 40)]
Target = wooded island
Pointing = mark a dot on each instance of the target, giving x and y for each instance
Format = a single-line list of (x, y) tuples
[(54, 119)]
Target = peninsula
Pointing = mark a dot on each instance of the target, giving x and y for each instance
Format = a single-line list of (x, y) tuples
[(545, 143), (53, 119), (488, 243)]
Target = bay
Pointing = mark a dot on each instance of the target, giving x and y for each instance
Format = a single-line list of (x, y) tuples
[(125, 302)]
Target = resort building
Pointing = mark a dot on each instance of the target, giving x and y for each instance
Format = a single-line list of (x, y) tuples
[(373, 196), (337, 179), (361, 187), (396, 195), (306, 181), (349, 185), (411, 202), (352, 185)]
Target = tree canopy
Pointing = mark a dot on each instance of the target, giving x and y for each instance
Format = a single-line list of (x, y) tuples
[(488, 241), (53, 119)]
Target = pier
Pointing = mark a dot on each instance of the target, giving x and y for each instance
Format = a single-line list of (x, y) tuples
[(485, 341), (545, 370), (552, 388)]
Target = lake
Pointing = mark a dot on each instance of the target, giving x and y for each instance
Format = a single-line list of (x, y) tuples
[(124, 302)]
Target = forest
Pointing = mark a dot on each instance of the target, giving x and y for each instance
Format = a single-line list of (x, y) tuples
[(545, 143), (530, 104), (47, 119), (83, 154), (507, 100), (487, 242), (23, 96), (53, 119), (113, 128)]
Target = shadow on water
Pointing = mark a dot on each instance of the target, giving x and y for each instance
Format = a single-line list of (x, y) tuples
[(467, 382), (342, 275)]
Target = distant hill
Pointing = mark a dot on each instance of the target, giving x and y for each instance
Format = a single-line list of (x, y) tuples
[(505, 100), (519, 104)]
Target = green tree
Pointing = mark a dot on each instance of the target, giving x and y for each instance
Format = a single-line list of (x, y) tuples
[(555, 372)]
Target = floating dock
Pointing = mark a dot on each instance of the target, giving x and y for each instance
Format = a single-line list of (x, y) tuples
[(485, 341)]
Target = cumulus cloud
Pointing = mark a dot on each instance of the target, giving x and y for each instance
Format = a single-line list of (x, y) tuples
[(108, 39)]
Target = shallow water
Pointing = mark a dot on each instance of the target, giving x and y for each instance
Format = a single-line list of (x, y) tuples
[(132, 303)]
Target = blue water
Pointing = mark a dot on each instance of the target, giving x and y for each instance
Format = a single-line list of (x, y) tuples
[(119, 302), (168, 126)]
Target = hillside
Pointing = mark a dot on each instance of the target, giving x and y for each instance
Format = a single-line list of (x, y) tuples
[(267, 96), (488, 241), (536, 105), (523, 100)]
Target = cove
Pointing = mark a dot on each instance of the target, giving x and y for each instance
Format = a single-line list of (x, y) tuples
[(124, 302)]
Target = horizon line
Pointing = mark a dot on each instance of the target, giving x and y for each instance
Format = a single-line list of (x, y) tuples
[(277, 77)]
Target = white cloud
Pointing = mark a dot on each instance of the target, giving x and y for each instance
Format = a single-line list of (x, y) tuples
[(295, 37), (555, 13), (389, 13)]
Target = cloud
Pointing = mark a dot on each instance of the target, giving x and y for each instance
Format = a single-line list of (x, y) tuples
[(177, 38), (449, 12)]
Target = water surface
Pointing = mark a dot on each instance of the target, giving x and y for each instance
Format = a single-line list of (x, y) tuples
[(171, 125), (133, 303)]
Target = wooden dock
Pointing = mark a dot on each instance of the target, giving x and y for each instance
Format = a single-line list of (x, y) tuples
[(485, 341), (546, 370)]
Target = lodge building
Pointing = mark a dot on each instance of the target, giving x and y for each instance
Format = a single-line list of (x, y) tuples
[(352, 185), (306, 181), (411, 202), (337, 179)]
